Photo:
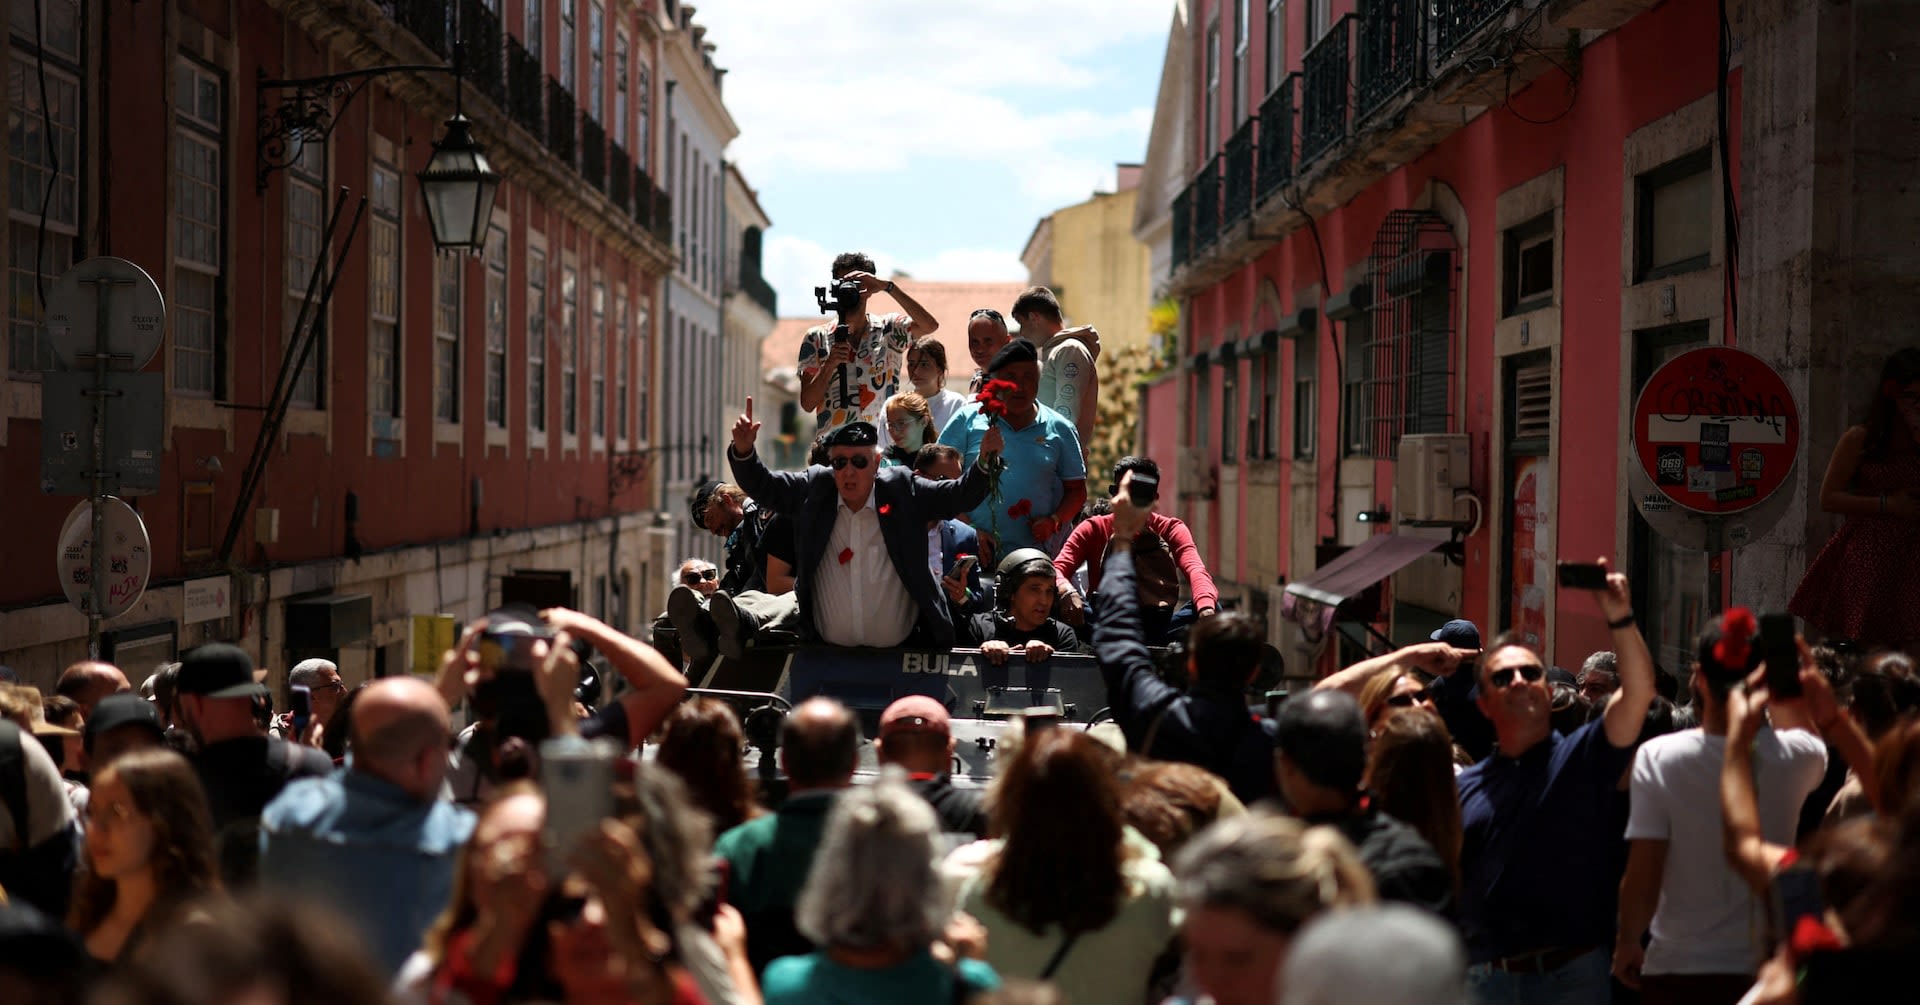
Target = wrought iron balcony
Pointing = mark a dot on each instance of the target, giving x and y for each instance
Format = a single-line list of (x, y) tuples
[(1206, 205), (1323, 111), (593, 151), (1182, 228), (619, 175), (1389, 62), (642, 198), (560, 122), (1455, 21), (524, 92), (481, 41), (428, 20), (662, 222), (1276, 138), (1237, 201), (758, 290)]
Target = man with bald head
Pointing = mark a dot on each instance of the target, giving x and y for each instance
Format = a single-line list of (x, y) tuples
[(375, 842), (769, 856), (88, 681)]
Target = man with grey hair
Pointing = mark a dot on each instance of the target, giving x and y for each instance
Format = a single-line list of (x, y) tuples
[(873, 894), (322, 678), (1386, 955), (1599, 677), (768, 857), (376, 842)]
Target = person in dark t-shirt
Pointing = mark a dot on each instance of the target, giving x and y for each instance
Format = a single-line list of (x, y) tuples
[(916, 735), (1022, 618)]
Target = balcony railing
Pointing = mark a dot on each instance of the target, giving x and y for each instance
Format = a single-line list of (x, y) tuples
[(1276, 137), (593, 151), (662, 216), (1323, 109), (619, 176), (428, 20), (642, 198), (1455, 21), (1206, 205), (1182, 228), (1237, 201), (1388, 63), (560, 122), (758, 290), (524, 92), (481, 40)]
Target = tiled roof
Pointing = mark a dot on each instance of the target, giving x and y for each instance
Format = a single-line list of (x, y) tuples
[(949, 303)]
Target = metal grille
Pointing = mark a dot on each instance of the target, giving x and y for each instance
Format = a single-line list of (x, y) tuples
[(1532, 403), (1276, 136), (480, 37), (1323, 111), (1239, 174), (427, 19), (1206, 204), (593, 151), (1182, 227), (619, 175), (525, 96), (1413, 276), (560, 121), (1457, 20), (1388, 61)]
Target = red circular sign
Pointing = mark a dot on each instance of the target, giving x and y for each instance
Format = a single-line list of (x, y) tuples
[(1716, 429)]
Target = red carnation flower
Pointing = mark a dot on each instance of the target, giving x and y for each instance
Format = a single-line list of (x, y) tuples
[(1020, 509), (1811, 936), (992, 396), (885, 509), (1736, 631), (846, 555)]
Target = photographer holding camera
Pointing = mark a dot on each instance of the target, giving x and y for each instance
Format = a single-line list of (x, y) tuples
[(1163, 552), (521, 670), (849, 369)]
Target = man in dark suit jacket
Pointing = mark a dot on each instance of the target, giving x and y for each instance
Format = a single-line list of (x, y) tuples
[(861, 536)]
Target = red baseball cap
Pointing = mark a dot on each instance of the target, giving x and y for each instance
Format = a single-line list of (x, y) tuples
[(916, 713)]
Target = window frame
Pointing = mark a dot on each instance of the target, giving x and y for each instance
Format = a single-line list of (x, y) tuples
[(1210, 111), (449, 302), (597, 60), (385, 215), (306, 179), (208, 134), (1276, 41), (538, 281), (1515, 244), (1242, 35), (1645, 185), (569, 349), (597, 360), (1306, 398), (494, 407), (622, 74), (569, 42), (63, 70)]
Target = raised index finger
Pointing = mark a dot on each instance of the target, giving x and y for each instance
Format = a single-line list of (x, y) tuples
[(749, 408)]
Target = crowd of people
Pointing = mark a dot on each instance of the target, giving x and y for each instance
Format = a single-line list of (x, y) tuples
[(558, 816)]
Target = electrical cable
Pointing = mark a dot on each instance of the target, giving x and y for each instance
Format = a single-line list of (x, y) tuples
[(53, 156), (1333, 338), (1729, 208)]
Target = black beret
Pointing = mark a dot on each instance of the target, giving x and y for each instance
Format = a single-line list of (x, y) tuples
[(854, 434), (697, 501), (1017, 351)]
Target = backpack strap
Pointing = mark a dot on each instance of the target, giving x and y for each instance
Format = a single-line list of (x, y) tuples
[(13, 783), (1059, 956)]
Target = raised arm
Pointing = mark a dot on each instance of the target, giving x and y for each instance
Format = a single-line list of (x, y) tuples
[(657, 686), (1206, 596), (1627, 709), (1134, 691), (1435, 658), (948, 499), (923, 322), (1751, 856), (780, 491)]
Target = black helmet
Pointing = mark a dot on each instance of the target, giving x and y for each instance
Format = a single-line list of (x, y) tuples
[(1019, 565)]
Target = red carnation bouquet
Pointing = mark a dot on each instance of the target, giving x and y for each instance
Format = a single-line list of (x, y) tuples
[(993, 401)]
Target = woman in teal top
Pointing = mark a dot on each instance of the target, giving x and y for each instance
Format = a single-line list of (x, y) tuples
[(875, 907)]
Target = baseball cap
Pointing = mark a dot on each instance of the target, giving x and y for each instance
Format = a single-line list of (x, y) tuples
[(116, 710), (916, 713), (219, 670), (697, 501), (1458, 633)]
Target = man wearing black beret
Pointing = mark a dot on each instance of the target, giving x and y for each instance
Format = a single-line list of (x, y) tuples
[(860, 536)]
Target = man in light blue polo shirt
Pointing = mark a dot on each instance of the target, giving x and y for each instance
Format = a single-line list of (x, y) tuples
[(375, 842), (1045, 482)]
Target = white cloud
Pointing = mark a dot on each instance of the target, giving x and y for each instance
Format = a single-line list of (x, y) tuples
[(874, 84)]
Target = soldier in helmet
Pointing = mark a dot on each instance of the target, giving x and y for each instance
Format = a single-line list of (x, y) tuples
[(1022, 620)]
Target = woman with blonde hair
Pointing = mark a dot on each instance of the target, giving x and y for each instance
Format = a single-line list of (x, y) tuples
[(1248, 885), (149, 853)]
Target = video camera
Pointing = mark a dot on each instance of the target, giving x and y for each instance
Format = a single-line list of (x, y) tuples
[(841, 298)]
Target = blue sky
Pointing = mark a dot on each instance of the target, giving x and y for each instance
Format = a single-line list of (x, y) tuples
[(933, 134)]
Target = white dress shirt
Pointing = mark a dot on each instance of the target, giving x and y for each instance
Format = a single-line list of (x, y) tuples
[(860, 602)]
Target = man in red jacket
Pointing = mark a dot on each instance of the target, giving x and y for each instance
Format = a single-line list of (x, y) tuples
[(1164, 553)]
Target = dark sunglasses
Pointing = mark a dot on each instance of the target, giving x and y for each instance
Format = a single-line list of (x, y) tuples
[(859, 461), (1529, 672), (1410, 699), (988, 312), (699, 575)]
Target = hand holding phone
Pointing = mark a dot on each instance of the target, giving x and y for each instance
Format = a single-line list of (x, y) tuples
[(1780, 650), (965, 565), (302, 711), (578, 777)]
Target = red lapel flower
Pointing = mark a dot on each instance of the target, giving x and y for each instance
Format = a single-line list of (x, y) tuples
[(1811, 936), (846, 555), (1020, 509), (885, 509)]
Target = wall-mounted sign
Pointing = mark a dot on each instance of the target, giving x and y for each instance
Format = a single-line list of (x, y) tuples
[(206, 599), (1716, 430)]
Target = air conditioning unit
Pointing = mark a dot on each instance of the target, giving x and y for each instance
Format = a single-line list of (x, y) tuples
[(1431, 470), (1199, 476)]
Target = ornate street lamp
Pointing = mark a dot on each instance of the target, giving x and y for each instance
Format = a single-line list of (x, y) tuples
[(458, 187)]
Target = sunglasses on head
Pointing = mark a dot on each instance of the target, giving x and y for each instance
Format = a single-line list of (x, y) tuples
[(1529, 672), (1410, 699), (859, 462), (692, 576), (987, 312)]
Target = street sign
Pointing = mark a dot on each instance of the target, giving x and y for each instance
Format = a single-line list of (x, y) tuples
[(206, 599), (129, 559), (135, 433), (135, 316), (1716, 430)]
